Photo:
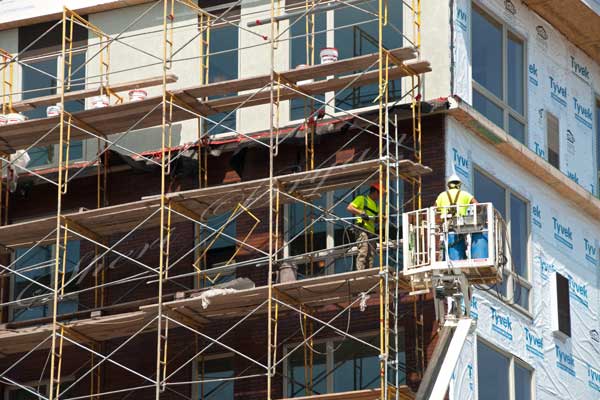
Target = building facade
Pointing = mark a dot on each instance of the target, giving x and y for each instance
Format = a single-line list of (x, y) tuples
[(511, 106)]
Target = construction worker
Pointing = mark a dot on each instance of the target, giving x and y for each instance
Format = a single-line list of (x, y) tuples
[(454, 196), (366, 209)]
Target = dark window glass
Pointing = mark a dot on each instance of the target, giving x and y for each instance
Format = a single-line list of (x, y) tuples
[(515, 81), (522, 383), (356, 367), (487, 52), (298, 380), (38, 264), (301, 107), (223, 67), (520, 294), (311, 236), (492, 369), (39, 78), (552, 130), (488, 108), (516, 129), (211, 371), (488, 191), (518, 235), (22, 394), (356, 33)]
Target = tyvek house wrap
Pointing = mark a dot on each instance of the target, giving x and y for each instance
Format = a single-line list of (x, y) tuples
[(559, 79), (563, 240)]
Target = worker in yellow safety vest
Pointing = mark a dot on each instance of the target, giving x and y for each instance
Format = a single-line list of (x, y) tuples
[(366, 209), (454, 196)]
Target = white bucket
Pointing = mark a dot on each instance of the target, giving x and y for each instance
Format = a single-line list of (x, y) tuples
[(3, 119), (53, 111), (15, 118), (304, 82), (100, 101), (328, 55), (137, 95)]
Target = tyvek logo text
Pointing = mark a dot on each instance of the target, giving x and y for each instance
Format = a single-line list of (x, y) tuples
[(501, 324)]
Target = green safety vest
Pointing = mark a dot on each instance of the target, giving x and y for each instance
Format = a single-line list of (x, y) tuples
[(454, 197), (369, 206)]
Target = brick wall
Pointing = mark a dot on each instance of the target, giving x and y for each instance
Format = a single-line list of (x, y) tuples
[(249, 337)]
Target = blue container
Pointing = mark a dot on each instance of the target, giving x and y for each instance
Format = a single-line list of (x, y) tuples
[(479, 245), (456, 247)]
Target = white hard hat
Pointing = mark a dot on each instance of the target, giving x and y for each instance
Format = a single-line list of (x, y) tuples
[(454, 179)]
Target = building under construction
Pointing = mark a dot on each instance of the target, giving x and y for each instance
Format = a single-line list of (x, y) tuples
[(176, 176)]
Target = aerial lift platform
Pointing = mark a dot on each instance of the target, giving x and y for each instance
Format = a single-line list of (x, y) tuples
[(447, 250)]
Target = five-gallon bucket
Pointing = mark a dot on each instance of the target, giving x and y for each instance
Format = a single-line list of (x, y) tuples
[(329, 55), (53, 111), (137, 95), (100, 101), (15, 118)]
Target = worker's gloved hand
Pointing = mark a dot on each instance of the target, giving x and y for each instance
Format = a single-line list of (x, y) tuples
[(365, 216)]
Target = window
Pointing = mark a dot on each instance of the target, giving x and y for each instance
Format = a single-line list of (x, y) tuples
[(214, 374), (514, 211), (300, 55), (41, 387), (356, 33), (217, 249), (298, 379), (40, 68), (37, 263), (495, 370), (338, 366), (325, 234), (553, 132), (560, 305), (498, 73), (15, 393), (223, 61)]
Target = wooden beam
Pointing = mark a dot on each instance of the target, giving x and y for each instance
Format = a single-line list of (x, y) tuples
[(82, 230), (29, 104)]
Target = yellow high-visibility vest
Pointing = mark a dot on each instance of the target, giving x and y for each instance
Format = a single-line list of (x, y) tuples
[(453, 197), (369, 206)]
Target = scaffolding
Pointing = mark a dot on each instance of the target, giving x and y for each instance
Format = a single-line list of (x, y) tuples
[(107, 227)]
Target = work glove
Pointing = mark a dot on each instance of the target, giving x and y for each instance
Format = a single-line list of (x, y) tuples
[(365, 216)]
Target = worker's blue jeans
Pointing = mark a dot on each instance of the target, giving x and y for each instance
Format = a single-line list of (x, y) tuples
[(457, 247)]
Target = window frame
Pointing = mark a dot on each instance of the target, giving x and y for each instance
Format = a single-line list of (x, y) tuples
[(507, 110), (14, 306), (44, 382), (512, 275), (195, 365), (234, 16), (32, 56), (330, 42), (549, 116), (330, 344), (329, 228), (512, 361)]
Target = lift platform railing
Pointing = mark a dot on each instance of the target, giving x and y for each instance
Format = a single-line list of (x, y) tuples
[(467, 238)]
